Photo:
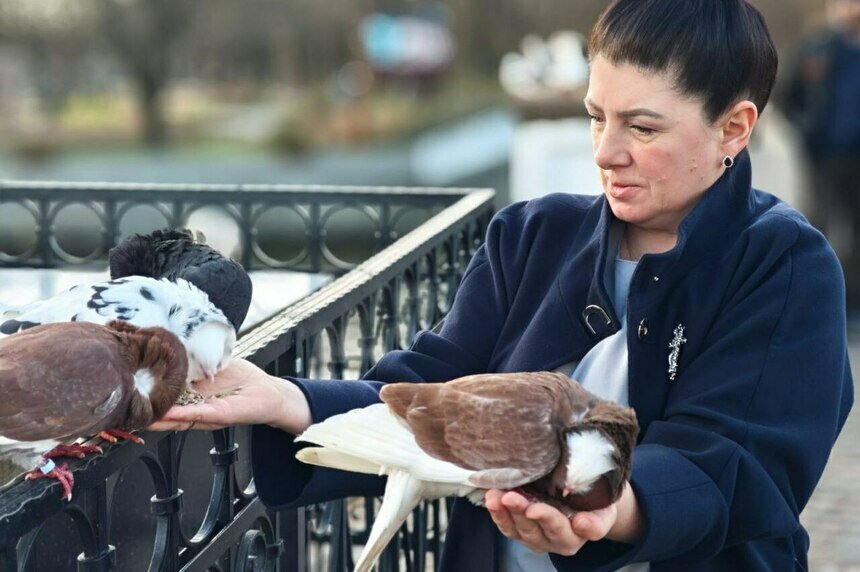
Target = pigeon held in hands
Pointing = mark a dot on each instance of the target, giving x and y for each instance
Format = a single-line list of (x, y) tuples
[(541, 433), (69, 380), (180, 254), (178, 306)]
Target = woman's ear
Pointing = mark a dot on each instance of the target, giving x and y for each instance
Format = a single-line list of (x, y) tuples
[(737, 127)]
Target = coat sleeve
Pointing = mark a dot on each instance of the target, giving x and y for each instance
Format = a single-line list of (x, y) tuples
[(749, 425), (463, 346)]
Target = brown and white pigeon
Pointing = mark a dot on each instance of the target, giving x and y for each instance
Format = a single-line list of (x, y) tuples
[(539, 432), (63, 381)]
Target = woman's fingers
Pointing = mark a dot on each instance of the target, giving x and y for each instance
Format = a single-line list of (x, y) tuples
[(540, 527), (184, 417), (499, 513), (557, 529), (528, 530), (595, 524)]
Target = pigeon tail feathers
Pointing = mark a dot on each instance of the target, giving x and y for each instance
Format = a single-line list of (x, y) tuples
[(403, 492), (376, 435), (323, 457)]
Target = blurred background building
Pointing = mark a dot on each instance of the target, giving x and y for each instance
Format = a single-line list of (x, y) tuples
[(393, 92)]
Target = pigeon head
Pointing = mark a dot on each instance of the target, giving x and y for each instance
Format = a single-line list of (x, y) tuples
[(209, 347), (598, 455), (159, 364)]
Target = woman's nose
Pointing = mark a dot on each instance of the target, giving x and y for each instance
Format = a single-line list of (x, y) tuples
[(610, 149)]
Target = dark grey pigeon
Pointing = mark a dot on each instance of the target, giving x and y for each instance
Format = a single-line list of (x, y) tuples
[(175, 254)]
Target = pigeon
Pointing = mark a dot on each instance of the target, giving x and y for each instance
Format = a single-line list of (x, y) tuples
[(540, 433), (177, 306), (179, 254), (68, 380)]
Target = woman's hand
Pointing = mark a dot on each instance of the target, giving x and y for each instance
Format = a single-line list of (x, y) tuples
[(242, 394), (542, 528)]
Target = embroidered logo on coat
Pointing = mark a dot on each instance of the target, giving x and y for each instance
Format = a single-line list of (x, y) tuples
[(675, 345)]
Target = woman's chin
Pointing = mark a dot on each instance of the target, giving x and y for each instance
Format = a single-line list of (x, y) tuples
[(626, 212)]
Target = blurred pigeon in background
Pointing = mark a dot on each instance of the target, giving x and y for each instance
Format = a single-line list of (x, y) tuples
[(179, 254), (177, 306), (541, 433), (69, 380)]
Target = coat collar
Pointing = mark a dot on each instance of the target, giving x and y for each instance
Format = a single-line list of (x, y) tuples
[(723, 211)]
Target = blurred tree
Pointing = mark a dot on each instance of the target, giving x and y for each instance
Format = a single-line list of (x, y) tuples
[(57, 38), (267, 43), (143, 34)]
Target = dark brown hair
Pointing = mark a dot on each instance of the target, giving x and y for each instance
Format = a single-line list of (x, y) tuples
[(719, 51)]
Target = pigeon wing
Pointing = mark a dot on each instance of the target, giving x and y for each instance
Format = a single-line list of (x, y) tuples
[(60, 380), (505, 426), (66, 306), (130, 299)]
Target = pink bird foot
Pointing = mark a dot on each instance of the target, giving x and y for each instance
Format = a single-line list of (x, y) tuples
[(77, 450), (50, 470), (113, 435)]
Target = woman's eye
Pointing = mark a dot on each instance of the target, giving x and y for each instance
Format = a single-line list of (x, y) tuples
[(642, 130)]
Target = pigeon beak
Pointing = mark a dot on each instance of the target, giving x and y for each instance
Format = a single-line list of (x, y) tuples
[(566, 491), (210, 378)]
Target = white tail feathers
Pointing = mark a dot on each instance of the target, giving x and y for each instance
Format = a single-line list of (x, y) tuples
[(374, 440), (402, 494), (337, 460), (375, 436)]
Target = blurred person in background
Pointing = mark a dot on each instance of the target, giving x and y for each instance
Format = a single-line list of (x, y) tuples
[(820, 95)]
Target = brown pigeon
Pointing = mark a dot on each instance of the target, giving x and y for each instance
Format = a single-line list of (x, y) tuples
[(540, 432), (63, 381)]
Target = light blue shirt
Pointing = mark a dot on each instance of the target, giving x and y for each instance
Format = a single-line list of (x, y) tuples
[(603, 372)]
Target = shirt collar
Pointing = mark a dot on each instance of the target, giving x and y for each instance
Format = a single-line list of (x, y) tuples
[(724, 209), (722, 212)]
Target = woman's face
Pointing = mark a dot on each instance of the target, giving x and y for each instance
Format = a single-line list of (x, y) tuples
[(656, 153)]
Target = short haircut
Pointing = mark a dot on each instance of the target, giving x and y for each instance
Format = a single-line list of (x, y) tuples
[(719, 51)]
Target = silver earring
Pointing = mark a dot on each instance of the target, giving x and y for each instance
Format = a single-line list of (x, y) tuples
[(728, 162)]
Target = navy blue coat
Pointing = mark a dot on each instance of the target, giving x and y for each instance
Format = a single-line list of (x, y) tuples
[(730, 450)]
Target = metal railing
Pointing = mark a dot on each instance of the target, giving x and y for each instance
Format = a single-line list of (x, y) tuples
[(77, 223), (186, 501)]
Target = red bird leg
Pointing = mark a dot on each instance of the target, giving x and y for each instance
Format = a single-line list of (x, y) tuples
[(76, 450), (113, 435), (50, 470)]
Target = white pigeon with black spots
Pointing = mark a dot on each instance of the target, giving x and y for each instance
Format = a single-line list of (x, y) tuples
[(180, 307)]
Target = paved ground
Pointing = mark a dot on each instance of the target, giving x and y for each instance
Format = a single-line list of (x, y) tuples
[(832, 516)]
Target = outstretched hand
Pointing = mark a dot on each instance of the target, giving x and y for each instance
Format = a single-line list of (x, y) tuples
[(241, 394), (543, 528)]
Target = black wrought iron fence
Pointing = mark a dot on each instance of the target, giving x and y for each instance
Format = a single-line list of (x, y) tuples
[(309, 228), (186, 501)]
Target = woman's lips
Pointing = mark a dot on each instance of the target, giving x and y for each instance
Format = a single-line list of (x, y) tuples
[(623, 191)]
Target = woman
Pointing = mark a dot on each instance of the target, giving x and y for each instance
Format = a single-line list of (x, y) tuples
[(717, 312)]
